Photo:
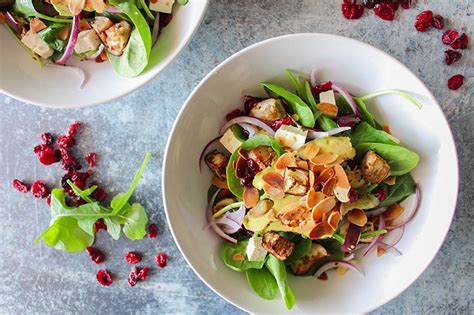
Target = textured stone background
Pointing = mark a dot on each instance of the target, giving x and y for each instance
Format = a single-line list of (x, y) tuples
[(39, 279)]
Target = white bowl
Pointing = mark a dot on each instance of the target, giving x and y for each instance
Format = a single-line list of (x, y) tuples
[(23, 79), (361, 68)]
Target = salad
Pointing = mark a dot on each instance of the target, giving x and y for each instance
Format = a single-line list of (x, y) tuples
[(309, 181), (120, 31)]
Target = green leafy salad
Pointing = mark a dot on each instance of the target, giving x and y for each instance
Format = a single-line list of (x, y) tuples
[(307, 181)]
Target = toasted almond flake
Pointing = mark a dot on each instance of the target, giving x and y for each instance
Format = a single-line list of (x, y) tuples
[(391, 180), (338, 161), (302, 164), (324, 159), (380, 250), (393, 212), (216, 181), (316, 169), (324, 176), (320, 230), (341, 176), (333, 219), (293, 217), (328, 186), (273, 179), (328, 109), (250, 196), (238, 257), (342, 194), (271, 214), (308, 151), (274, 193), (37, 25), (341, 270), (311, 179), (323, 207), (261, 208), (284, 161), (313, 198), (357, 217)]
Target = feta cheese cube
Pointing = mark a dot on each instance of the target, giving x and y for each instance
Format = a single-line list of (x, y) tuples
[(255, 251), (165, 6), (327, 97), (86, 41), (290, 136), (230, 141), (37, 44)]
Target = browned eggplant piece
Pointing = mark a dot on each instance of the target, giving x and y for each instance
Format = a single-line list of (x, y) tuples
[(217, 162), (374, 168)]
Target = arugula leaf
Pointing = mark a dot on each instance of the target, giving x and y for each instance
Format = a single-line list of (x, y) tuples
[(182, 2), (26, 8), (113, 227), (278, 270), (311, 101), (404, 187), (372, 233), (228, 251), (135, 226), (262, 282), (65, 234)]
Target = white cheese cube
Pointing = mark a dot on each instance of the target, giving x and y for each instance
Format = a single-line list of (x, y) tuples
[(37, 44), (86, 41), (230, 141), (290, 136), (255, 251), (327, 97), (165, 6)]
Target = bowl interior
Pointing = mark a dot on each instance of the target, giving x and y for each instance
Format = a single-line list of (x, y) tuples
[(23, 79), (361, 68)]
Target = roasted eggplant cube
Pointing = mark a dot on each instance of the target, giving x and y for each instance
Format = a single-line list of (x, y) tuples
[(263, 155), (278, 246), (269, 110), (217, 162), (374, 168), (304, 264), (296, 181)]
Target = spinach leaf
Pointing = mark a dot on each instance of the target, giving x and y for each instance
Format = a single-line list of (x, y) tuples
[(365, 133), (238, 132), (404, 187), (278, 270), (311, 100), (135, 225), (211, 191), (343, 106), (296, 83), (182, 2), (401, 160), (228, 252), (298, 106), (332, 247), (366, 115), (326, 123), (262, 282), (302, 248), (49, 36), (146, 9), (26, 8)]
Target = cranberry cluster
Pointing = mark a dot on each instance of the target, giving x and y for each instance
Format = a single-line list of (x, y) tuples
[(384, 9)]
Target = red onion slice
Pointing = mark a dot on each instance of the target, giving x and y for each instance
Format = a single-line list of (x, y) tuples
[(338, 263), (156, 30), (231, 222), (396, 239), (377, 238), (414, 211), (351, 239), (71, 42), (392, 249), (312, 134), (100, 49), (348, 97), (203, 152), (376, 212), (249, 120), (10, 20), (249, 128), (71, 69), (212, 221)]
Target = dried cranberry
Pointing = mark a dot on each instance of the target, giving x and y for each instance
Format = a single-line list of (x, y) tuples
[(353, 195), (370, 4), (392, 3), (69, 162), (99, 194), (347, 120), (250, 102), (438, 22), (275, 125), (456, 44), (133, 258), (250, 169), (99, 225), (48, 200), (39, 189), (46, 138), (352, 11), (451, 56), (423, 21), (20, 186), (381, 194), (233, 114), (152, 231), (91, 158), (455, 82), (96, 255), (384, 11), (321, 88), (161, 259), (406, 4), (132, 277), (104, 277), (143, 273), (47, 155), (65, 141), (464, 40), (450, 36), (73, 128), (77, 201)]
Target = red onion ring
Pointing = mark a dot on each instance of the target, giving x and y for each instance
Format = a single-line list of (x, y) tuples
[(71, 42), (10, 20), (351, 239), (348, 97), (100, 49), (376, 212), (387, 248), (249, 128), (156, 30), (414, 211), (204, 151), (231, 222), (249, 120), (377, 238), (212, 221), (312, 134), (338, 263), (397, 239)]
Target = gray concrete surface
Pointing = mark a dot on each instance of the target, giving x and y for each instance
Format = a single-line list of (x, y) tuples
[(37, 279)]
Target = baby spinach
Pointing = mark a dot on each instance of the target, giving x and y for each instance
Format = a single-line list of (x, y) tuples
[(278, 270), (262, 282), (146, 9), (296, 83), (366, 115), (365, 133), (228, 252), (326, 123), (26, 8), (299, 107), (301, 248), (49, 36), (343, 106), (311, 101), (404, 187)]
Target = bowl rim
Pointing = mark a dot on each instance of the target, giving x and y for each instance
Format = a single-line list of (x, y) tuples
[(154, 72), (430, 95)]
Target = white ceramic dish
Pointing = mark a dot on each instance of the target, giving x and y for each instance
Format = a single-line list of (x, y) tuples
[(23, 79), (361, 68)]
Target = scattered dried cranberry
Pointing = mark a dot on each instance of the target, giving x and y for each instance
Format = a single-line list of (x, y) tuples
[(353, 195), (99, 225), (438, 22), (152, 231), (456, 44), (77, 201), (161, 259), (233, 114), (406, 4), (352, 11), (96, 255), (393, 3), (133, 258), (48, 200), (91, 158), (381, 194), (65, 141), (69, 162), (455, 82), (46, 138), (39, 189), (132, 277), (450, 36), (384, 11), (73, 128), (104, 277), (99, 194), (451, 56), (321, 88), (143, 273), (47, 155), (464, 40), (275, 125), (20, 186), (423, 21)]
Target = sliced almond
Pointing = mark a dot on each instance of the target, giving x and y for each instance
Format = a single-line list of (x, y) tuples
[(341, 176), (262, 207), (324, 159), (274, 193), (308, 151), (391, 180), (328, 186), (311, 179), (320, 230), (342, 194), (37, 25), (273, 179), (284, 161), (293, 217), (313, 198), (324, 176), (322, 208), (328, 109), (393, 212), (338, 161), (250, 196), (333, 219), (238, 257), (303, 164), (216, 181), (357, 217), (222, 203), (316, 169)]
